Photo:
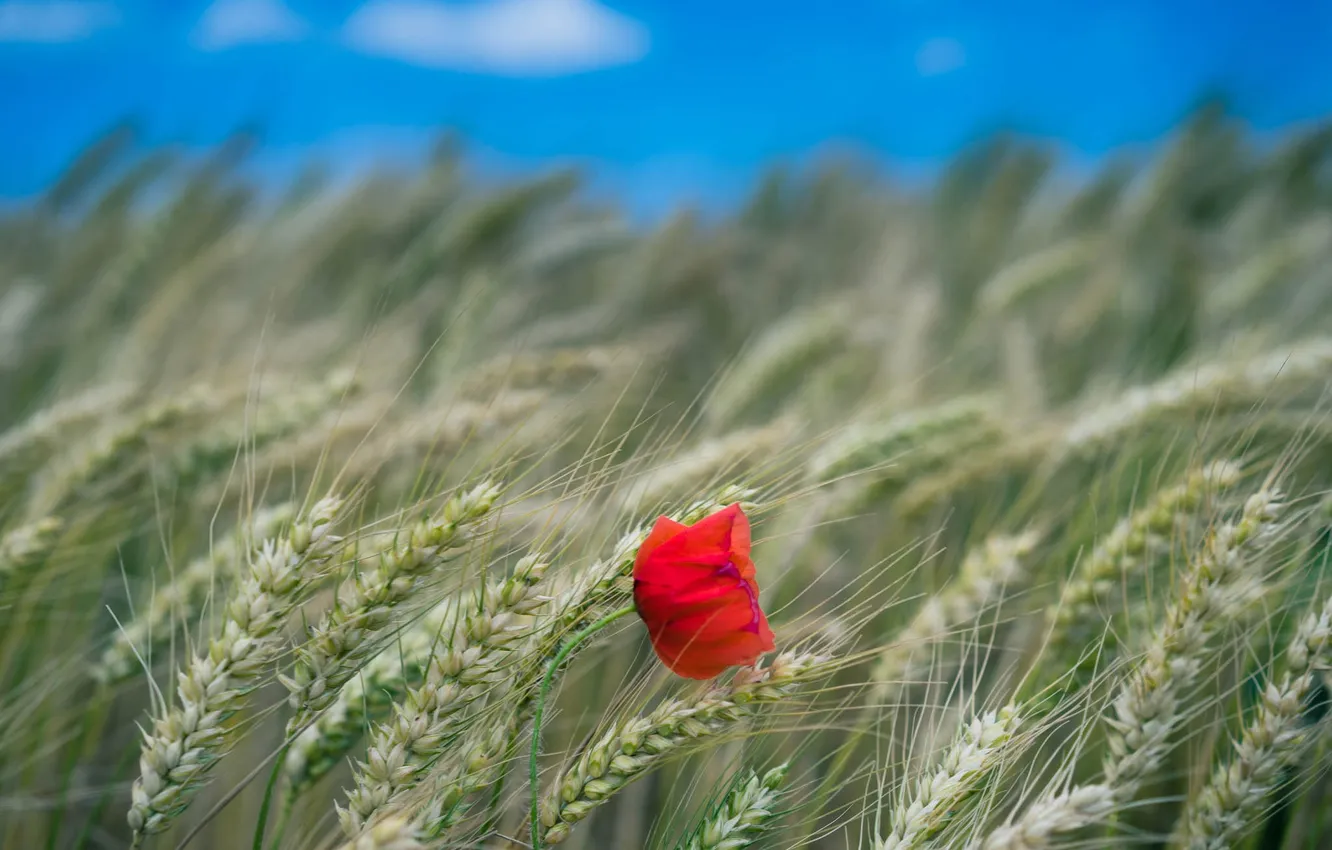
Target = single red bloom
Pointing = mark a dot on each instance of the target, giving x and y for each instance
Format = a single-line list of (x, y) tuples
[(694, 588)]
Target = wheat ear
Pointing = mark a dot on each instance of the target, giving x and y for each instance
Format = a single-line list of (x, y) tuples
[(391, 833), (111, 454), (345, 638), (27, 445), (741, 818), (986, 571), (187, 740), (626, 752), (1272, 742), (1216, 587), (1076, 623), (368, 697), (467, 665), (869, 444), (181, 598), (27, 546), (938, 795), (1146, 709), (1198, 388)]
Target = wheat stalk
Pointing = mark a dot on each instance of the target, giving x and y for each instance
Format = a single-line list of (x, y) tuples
[(344, 639), (742, 817), (1125, 554), (1146, 709), (627, 751), (920, 816), (986, 572), (180, 599), (1274, 740), (187, 741), (467, 665)]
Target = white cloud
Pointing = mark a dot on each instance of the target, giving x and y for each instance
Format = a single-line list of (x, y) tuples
[(228, 23), (515, 37), (54, 22), (939, 56)]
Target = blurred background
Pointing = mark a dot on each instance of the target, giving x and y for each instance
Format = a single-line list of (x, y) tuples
[(667, 101)]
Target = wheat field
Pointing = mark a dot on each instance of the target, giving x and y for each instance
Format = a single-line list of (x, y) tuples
[(301, 496)]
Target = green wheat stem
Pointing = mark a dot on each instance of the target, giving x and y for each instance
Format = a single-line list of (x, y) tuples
[(268, 796), (569, 646), (289, 800), (494, 808)]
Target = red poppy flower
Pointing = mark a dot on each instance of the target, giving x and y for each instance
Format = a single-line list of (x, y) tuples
[(694, 588)]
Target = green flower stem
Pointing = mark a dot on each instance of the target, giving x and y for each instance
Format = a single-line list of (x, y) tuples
[(569, 646)]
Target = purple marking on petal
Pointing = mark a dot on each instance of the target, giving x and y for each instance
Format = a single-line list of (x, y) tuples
[(729, 570)]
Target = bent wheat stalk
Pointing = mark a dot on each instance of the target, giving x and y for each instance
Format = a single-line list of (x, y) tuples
[(1239, 789), (740, 820), (1147, 707), (466, 666), (634, 747), (152, 628), (918, 818), (187, 741), (1075, 625), (345, 638), (368, 697)]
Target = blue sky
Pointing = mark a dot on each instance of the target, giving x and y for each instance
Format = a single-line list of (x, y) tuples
[(667, 97)]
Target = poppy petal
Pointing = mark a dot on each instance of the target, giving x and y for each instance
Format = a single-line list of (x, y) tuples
[(694, 588), (711, 540), (695, 659), (728, 615), (734, 607), (674, 575), (663, 530)]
